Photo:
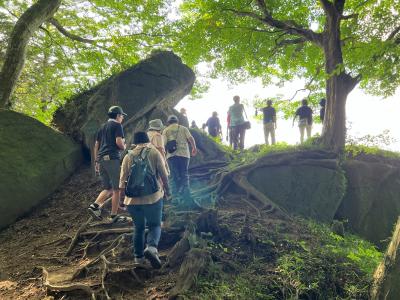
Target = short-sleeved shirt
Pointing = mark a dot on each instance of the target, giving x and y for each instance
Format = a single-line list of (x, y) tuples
[(106, 136), (181, 134), (236, 114), (269, 114), (305, 112), (214, 126)]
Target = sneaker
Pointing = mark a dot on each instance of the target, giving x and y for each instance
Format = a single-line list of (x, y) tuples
[(95, 212), (119, 219), (151, 254), (140, 260)]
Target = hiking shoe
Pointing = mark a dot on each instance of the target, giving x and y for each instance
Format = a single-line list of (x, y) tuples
[(119, 219), (151, 254), (140, 260), (95, 212)]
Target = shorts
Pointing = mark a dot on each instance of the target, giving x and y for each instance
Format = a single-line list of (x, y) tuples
[(109, 172)]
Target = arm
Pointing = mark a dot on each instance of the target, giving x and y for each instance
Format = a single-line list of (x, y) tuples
[(120, 143), (124, 171), (162, 172), (95, 153)]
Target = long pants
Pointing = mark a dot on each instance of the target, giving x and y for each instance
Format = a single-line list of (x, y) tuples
[(179, 174), (269, 129), (149, 214), (302, 128), (238, 134)]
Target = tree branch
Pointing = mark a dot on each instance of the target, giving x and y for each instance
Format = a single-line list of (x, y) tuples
[(69, 35), (289, 26), (393, 33)]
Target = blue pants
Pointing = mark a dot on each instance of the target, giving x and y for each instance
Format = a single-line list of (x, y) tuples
[(149, 214), (180, 175)]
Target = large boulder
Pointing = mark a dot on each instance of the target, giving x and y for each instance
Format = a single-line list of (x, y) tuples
[(372, 200), (34, 161), (306, 183), (147, 90)]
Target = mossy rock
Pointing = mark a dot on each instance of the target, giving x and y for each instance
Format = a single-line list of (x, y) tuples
[(308, 187), (34, 161), (371, 204)]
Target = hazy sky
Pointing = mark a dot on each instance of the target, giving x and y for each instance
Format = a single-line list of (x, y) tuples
[(367, 114)]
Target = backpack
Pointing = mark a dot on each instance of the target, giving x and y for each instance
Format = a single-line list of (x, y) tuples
[(141, 180)]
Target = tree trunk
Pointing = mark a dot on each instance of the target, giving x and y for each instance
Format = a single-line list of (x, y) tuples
[(26, 26), (338, 84)]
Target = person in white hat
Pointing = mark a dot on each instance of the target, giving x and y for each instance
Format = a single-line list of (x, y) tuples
[(176, 140), (156, 139)]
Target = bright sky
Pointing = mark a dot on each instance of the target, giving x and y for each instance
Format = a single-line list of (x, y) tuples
[(366, 114)]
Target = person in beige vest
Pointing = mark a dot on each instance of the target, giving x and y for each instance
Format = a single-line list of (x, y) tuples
[(156, 139)]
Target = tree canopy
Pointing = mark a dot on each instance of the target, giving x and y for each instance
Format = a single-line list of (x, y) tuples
[(82, 44)]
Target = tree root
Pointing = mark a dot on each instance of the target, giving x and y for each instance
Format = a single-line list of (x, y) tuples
[(74, 240), (67, 287)]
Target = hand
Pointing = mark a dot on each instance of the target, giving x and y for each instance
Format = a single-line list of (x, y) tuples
[(194, 151), (167, 195)]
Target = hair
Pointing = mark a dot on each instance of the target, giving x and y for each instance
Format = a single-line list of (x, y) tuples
[(173, 121), (322, 102), (304, 102), (112, 115), (236, 98), (140, 137), (214, 114), (269, 102)]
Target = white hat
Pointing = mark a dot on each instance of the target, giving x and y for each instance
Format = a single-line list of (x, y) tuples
[(156, 124)]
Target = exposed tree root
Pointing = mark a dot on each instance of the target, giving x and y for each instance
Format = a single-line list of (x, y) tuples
[(74, 240)]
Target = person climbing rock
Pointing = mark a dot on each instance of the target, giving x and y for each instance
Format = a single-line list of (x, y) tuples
[(145, 207), (304, 113), (176, 140), (213, 125), (237, 123), (185, 120), (194, 125), (269, 120), (109, 143), (156, 139)]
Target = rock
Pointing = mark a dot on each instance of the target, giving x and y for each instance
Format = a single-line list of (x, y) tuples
[(34, 161), (302, 183), (147, 90), (371, 204)]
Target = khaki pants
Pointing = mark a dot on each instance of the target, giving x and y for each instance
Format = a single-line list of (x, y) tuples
[(303, 127), (269, 129)]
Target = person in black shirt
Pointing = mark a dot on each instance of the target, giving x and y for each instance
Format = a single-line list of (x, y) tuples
[(322, 110), (304, 113), (269, 121), (214, 126), (109, 143)]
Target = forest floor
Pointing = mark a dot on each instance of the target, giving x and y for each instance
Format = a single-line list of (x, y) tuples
[(245, 253)]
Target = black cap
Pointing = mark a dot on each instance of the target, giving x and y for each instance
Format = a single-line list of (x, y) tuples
[(140, 137), (116, 110)]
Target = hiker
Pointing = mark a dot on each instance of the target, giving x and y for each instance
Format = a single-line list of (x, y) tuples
[(156, 138), (144, 179), (237, 123), (194, 125), (322, 103), (185, 120), (269, 120), (176, 140), (304, 113), (213, 125), (109, 143)]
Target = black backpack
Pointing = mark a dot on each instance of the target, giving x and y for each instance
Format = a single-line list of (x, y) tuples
[(141, 180)]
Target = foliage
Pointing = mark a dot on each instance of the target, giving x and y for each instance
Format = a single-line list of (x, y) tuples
[(315, 263), (118, 34), (239, 45)]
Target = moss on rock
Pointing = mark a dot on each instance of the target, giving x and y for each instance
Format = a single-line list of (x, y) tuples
[(34, 161)]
